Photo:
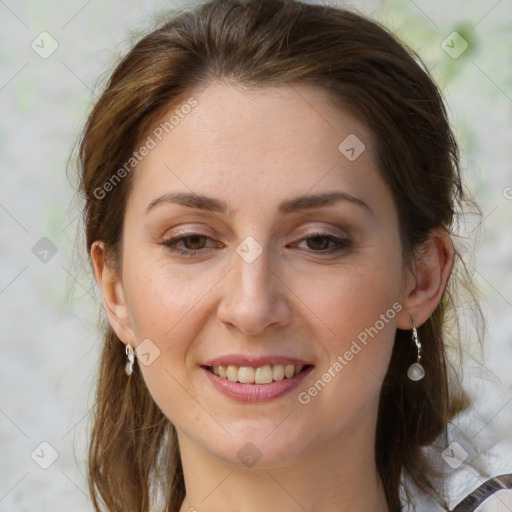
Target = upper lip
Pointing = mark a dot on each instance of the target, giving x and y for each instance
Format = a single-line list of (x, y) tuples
[(255, 362)]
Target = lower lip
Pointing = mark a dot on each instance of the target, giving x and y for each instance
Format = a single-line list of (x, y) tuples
[(256, 392)]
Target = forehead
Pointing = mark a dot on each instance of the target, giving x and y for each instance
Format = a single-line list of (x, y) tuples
[(285, 138), (269, 119)]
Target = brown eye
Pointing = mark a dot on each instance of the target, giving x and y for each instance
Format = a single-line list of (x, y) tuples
[(319, 242), (188, 244), (196, 241), (325, 243)]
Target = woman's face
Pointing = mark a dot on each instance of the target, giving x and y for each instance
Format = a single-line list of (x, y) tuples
[(289, 255)]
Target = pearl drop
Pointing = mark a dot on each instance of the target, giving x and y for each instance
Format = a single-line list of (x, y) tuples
[(415, 372), (128, 368)]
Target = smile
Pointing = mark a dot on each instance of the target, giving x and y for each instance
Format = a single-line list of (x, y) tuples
[(257, 383), (261, 375)]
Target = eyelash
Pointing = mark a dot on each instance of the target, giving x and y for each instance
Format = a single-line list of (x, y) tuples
[(170, 244)]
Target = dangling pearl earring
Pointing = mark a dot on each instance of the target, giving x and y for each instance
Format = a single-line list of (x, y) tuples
[(416, 371), (131, 359)]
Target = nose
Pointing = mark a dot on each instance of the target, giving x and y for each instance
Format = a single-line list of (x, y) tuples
[(254, 296)]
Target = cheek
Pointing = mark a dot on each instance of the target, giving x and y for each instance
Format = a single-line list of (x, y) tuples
[(359, 332), (164, 306), (355, 310), (348, 300), (162, 300), (356, 351)]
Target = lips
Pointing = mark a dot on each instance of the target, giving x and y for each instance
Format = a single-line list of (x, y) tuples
[(255, 379)]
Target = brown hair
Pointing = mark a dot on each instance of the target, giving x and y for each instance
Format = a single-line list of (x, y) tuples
[(133, 450)]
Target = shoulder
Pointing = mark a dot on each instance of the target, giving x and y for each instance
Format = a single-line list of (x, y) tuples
[(493, 495)]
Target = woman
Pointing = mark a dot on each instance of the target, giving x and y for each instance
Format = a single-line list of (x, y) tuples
[(270, 190)]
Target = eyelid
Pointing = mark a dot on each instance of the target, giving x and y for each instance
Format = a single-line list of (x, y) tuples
[(321, 230), (327, 234)]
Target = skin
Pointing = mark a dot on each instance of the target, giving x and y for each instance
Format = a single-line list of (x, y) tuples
[(253, 150)]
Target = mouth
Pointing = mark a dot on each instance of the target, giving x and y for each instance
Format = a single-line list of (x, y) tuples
[(266, 374), (256, 383)]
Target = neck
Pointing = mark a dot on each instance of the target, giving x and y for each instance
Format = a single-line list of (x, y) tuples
[(332, 477)]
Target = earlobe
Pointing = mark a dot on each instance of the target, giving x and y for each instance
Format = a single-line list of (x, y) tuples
[(432, 268), (112, 292)]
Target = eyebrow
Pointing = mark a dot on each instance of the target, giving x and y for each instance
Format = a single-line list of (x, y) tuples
[(296, 204)]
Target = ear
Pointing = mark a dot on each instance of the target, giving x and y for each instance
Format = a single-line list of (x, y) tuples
[(112, 291), (425, 286)]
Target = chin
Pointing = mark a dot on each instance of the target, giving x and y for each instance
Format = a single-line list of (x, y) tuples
[(261, 448)]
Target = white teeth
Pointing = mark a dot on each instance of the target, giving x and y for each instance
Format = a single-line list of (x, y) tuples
[(278, 372), (261, 375), (246, 374), (289, 371), (232, 373)]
